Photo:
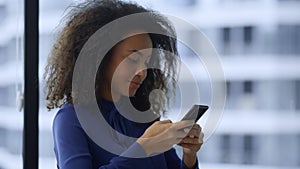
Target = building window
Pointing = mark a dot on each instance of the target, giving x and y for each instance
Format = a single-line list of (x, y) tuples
[(7, 94), (288, 39), (225, 147), (248, 87), (3, 55), (297, 92), (248, 31), (248, 149), (2, 12), (226, 35), (226, 40)]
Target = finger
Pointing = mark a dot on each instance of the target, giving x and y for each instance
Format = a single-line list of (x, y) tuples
[(197, 126), (192, 147), (194, 131), (188, 140), (201, 135), (166, 121), (180, 135), (201, 138), (187, 130), (183, 124), (166, 125)]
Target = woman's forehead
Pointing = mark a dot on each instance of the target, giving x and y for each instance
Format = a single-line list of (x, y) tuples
[(136, 43)]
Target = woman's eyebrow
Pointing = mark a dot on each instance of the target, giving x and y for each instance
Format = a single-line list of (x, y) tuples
[(136, 51)]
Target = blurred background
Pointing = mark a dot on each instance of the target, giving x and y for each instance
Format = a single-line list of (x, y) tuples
[(258, 42)]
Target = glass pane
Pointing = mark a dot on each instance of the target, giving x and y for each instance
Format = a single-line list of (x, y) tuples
[(51, 12), (11, 82), (260, 55)]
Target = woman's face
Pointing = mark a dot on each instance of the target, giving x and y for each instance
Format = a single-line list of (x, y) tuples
[(126, 68)]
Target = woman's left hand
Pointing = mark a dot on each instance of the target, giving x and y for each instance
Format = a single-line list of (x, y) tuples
[(191, 145)]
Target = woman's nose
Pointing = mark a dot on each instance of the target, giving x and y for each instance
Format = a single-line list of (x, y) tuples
[(142, 71)]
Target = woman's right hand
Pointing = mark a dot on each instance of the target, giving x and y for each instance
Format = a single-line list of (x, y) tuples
[(162, 135)]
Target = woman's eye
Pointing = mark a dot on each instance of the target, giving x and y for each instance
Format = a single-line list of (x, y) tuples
[(132, 59)]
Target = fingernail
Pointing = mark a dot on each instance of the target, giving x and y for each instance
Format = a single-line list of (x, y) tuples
[(186, 130)]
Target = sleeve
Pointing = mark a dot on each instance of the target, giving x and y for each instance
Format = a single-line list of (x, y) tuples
[(174, 162), (70, 143), (72, 149), (123, 162)]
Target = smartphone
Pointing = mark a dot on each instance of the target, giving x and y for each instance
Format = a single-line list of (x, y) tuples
[(195, 112)]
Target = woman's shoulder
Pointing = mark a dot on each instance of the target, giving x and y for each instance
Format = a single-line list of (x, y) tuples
[(66, 115), (66, 110)]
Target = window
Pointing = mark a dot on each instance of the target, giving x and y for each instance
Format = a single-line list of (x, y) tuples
[(248, 31), (248, 149), (2, 12), (226, 35), (297, 93), (225, 147), (248, 87), (288, 39)]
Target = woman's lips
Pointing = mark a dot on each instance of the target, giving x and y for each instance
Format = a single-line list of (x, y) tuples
[(135, 84)]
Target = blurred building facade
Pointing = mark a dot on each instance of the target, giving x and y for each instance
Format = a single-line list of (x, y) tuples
[(259, 46)]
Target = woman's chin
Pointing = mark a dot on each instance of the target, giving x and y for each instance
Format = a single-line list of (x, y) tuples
[(131, 93)]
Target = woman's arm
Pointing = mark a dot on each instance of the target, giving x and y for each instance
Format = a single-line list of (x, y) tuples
[(162, 135), (174, 162), (191, 144), (72, 148), (70, 141)]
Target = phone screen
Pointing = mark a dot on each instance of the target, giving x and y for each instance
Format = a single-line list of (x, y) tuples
[(195, 113)]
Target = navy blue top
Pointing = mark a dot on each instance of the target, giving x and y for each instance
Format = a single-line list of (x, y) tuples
[(75, 150)]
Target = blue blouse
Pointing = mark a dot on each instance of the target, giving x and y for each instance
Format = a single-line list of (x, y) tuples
[(75, 150)]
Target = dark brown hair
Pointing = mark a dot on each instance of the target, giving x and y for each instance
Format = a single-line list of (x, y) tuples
[(81, 22)]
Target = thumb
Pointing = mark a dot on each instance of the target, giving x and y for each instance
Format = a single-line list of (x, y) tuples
[(166, 121)]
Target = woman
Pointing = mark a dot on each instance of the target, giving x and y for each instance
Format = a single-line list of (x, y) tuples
[(122, 73)]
